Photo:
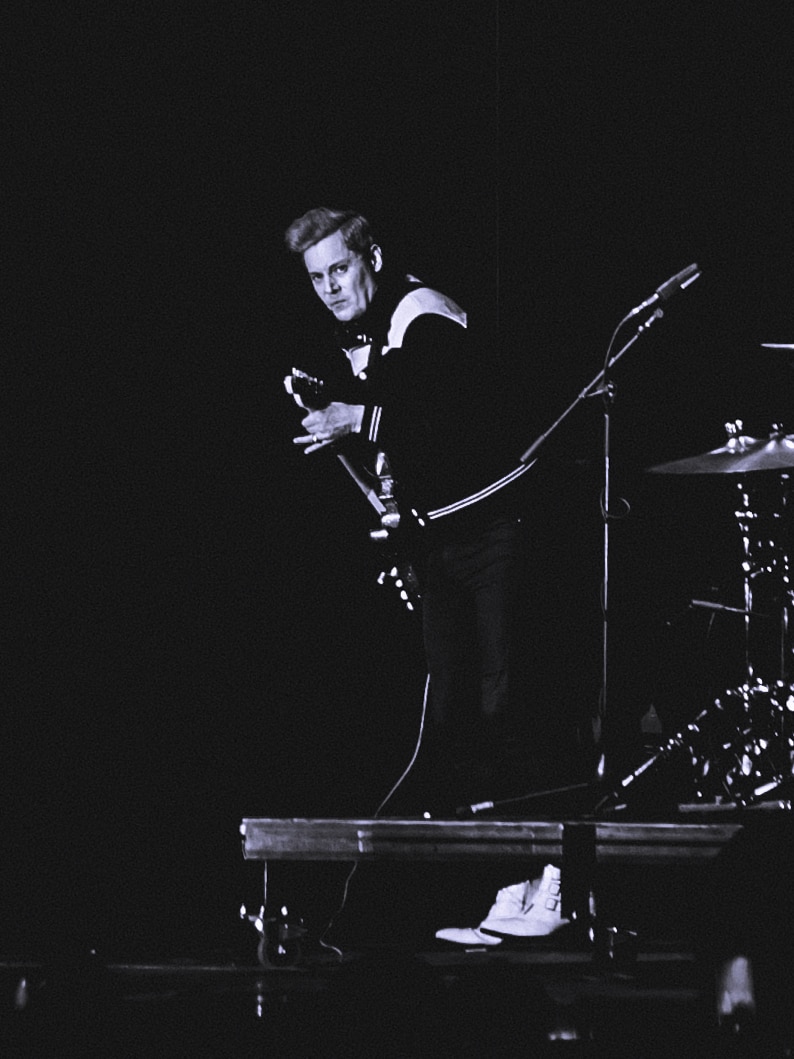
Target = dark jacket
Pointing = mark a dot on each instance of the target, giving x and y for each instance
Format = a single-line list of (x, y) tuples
[(432, 403)]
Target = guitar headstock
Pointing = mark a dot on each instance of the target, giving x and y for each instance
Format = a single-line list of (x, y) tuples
[(308, 391)]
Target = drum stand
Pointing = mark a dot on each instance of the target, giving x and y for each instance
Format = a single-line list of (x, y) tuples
[(740, 750)]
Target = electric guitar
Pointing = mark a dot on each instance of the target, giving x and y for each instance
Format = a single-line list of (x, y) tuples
[(375, 482)]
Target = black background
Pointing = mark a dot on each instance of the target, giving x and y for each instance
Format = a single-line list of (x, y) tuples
[(191, 630)]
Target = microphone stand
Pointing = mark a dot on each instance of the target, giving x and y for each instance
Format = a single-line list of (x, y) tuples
[(592, 390), (600, 385)]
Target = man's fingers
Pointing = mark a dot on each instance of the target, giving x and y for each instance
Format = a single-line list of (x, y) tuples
[(311, 441)]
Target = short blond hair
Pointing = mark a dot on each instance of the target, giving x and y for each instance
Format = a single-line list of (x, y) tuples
[(321, 222)]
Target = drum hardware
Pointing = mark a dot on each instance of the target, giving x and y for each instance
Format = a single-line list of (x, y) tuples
[(706, 604), (746, 749), (741, 454), (738, 750), (741, 748)]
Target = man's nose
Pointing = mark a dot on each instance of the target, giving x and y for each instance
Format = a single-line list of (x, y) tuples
[(331, 285)]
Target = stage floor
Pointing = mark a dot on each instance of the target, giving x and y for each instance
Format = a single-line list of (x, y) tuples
[(384, 1001), (388, 988), (390, 991)]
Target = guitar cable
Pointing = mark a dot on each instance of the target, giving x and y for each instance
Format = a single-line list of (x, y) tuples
[(412, 762), (405, 773)]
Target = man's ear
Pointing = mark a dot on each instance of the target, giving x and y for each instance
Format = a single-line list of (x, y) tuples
[(376, 257)]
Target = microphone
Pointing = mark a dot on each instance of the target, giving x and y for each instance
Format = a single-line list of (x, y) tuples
[(679, 281)]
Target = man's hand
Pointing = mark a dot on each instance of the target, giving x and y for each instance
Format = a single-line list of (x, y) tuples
[(326, 425)]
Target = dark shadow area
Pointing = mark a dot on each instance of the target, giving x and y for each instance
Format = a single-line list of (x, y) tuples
[(192, 629)]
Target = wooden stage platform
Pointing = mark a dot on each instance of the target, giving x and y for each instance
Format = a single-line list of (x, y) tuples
[(583, 849), (597, 841)]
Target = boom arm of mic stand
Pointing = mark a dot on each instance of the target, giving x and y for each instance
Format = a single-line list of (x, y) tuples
[(590, 390)]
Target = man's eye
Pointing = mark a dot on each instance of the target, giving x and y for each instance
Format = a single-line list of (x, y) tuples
[(341, 268)]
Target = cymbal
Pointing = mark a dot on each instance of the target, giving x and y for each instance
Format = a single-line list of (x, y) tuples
[(741, 455)]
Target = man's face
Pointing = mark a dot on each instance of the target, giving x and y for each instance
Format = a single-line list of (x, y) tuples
[(344, 280)]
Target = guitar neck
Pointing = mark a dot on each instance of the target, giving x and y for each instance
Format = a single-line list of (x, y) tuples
[(365, 487)]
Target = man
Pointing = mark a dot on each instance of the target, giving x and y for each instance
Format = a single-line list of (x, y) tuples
[(411, 395)]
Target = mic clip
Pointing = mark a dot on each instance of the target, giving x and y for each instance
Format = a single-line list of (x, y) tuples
[(607, 390), (657, 314)]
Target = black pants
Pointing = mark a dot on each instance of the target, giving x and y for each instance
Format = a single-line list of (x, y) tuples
[(471, 605)]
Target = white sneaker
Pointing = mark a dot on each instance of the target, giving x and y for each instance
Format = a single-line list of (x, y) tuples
[(534, 913), (472, 937), (526, 909)]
